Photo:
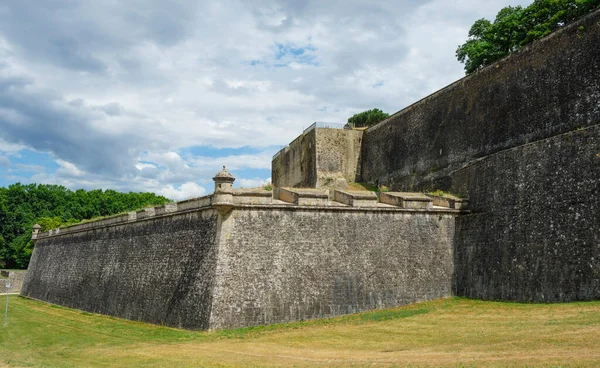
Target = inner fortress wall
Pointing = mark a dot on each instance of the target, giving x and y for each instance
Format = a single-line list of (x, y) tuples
[(534, 234), (318, 157)]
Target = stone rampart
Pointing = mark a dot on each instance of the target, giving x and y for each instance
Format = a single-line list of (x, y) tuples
[(292, 263), (534, 234), (547, 88), (520, 139), (318, 157), (205, 264), (158, 270)]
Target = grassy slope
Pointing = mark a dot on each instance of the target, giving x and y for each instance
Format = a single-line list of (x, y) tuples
[(453, 332)]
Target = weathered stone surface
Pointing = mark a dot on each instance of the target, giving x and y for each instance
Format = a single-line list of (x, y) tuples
[(355, 198), (296, 164), (406, 199), (287, 264), (535, 231), (317, 158), (304, 196), (547, 88), (252, 196), (158, 270), (449, 201), (194, 203), (337, 155), (255, 264)]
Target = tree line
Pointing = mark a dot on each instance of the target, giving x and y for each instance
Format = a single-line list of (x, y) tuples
[(515, 27), (52, 206)]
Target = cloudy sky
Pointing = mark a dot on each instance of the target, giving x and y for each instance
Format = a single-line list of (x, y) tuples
[(158, 95)]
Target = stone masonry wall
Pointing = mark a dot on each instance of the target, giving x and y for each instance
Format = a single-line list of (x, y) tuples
[(286, 264), (535, 231), (338, 154), (520, 139), (547, 88), (317, 157), (14, 277), (159, 270), (295, 165)]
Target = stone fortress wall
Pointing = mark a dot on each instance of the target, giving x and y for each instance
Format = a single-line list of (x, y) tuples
[(242, 258), (520, 139), (318, 157)]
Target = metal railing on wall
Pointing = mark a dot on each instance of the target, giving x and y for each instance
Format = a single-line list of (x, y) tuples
[(322, 124)]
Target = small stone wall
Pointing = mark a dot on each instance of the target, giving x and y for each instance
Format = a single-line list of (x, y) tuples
[(14, 277), (317, 158)]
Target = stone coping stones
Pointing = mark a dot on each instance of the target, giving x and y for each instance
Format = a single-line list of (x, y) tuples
[(355, 198), (167, 208), (252, 196), (304, 196), (449, 201), (194, 203), (146, 212), (406, 199)]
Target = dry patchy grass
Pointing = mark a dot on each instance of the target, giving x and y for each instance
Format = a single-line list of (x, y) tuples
[(452, 332)]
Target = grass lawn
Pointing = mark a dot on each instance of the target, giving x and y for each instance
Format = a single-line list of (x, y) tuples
[(452, 332)]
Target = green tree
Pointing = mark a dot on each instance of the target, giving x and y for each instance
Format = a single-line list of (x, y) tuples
[(514, 27), (367, 118), (53, 206)]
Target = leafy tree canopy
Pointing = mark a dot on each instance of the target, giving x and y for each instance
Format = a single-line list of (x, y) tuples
[(51, 206), (515, 27), (367, 118)]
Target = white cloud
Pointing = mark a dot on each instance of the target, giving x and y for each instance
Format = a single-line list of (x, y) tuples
[(185, 191), (4, 161), (253, 183), (68, 169), (10, 148), (140, 166), (115, 92)]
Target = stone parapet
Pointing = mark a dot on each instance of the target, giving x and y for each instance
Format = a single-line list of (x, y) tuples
[(252, 196), (406, 200), (450, 201), (355, 198), (288, 197), (304, 197)]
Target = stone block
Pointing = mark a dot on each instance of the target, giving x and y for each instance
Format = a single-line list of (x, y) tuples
[(355, 198), (194, 203), (449, 201), (252, 196), (304, 197), (406, 200)]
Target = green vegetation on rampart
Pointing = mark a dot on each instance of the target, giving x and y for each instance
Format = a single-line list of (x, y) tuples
[(452, 332), (52, 206), (515, 27)]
